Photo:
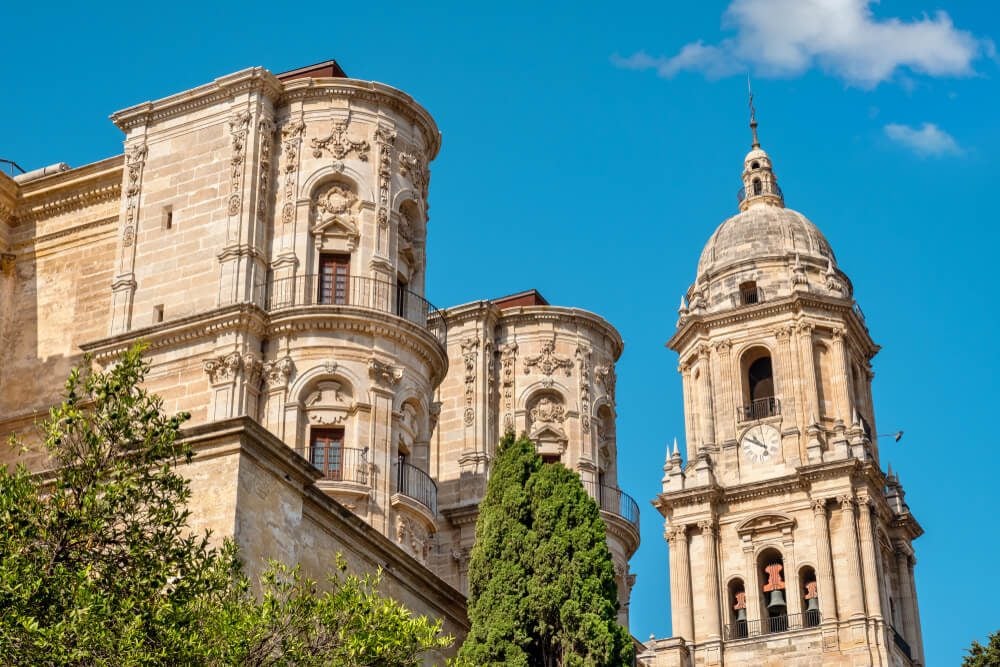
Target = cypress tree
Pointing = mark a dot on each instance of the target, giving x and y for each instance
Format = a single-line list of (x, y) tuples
[(541, 580)]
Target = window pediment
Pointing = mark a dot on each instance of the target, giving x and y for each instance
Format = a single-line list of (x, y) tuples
[(768, 523)]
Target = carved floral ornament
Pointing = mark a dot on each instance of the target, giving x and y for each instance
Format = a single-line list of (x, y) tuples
[(339, 144), (223, 368), (384, 373), (547, 411), (548, 362)]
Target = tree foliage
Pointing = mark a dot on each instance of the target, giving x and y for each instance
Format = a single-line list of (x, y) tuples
[(984, 656), (98, 565), (541, 580)]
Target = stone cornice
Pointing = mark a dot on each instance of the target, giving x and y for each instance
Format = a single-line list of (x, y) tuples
[(461, 515), (253, 79), (202, 325), (349, 318), (380, 93), (695, 325), (70, 190)]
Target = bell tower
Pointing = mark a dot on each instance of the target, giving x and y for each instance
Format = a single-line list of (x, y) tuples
[(788, 543)]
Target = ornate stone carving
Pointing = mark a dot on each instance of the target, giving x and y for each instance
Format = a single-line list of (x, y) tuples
[(412, 166), (385, 138), (339, 144), (291, 140), (7, 261), (707, 527), (252, 368), (413, 537), (338, 200), (675, 534), (723, 347), (819, 505), (547, 411), (833, 283), (607, 378), (782, 333), (583, 355), (239, 126), (266, 127), (384, 373), (846, 503), (278, 372), (335, 214), (548, 362), (223, 368), (508, 355), (470, 354), (798, 272), (135, 158)]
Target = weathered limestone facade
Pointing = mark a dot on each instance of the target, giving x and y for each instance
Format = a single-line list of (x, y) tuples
[(265, 235), (520, 364), (788, 543)]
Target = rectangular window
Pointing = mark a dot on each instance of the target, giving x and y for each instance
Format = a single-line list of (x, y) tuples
[(334, 277), (158, 314), (168, 217), (326, 451)]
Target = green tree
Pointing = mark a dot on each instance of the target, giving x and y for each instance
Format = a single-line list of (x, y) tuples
[(98, 565), (984, 656), (541, 580)]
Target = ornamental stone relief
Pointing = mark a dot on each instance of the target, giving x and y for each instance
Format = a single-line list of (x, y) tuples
[(547, 411), (223, 368), (583, 355), (291, 140), (135, 158), (385, 138), (384, 373), (606, 377), (548, 362), (413, 537), (470, 354), (277, 373), (339, 144), (238, 128), (508, 354), (266, 126)]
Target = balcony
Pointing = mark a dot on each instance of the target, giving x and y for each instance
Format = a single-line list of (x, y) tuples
[(415, 484), (762, 408), (341, 464), (772, 625), (620, 508), (353, 291)]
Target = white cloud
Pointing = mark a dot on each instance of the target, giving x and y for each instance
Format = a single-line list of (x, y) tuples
[(928, 140), (843, 37)]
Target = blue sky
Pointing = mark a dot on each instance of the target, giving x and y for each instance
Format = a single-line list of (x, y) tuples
[(590, 151)]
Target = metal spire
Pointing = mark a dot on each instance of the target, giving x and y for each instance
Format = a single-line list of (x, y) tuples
[(753, 115)]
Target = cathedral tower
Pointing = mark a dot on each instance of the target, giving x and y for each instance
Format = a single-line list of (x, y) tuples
[(788, 544)]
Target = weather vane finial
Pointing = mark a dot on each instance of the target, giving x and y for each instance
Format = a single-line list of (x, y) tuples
[(753, 114)]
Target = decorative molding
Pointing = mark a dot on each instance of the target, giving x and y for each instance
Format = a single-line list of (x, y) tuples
[(675, 534), (583, 355), (547, 411), (266, 127), (548, 362), (135, 159), (385, 138), (607, 378), (338, 203), (470, 354), (278, 372), (384, 373), (239, 126), (291, 141), (223, 368), (339, 144), (508, 356), (819, 505), (413, 167)]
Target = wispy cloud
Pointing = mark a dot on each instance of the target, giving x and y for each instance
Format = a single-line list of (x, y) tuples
[(928, 140), (843, 37)]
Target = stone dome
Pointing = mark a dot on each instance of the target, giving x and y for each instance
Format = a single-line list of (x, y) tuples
[(763, 232)]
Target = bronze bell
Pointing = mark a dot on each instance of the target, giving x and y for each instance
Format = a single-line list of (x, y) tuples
[(812, 604), (777, 599), (741, 615)]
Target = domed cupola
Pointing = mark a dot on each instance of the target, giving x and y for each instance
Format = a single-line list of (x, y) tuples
[(764, 252)]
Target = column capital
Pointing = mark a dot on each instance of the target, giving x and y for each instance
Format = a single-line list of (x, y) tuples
[(707, 527), (838, 334), (723, 346), (846, 502), (703, 351), (675, 534), (819, 505), (805, 327)]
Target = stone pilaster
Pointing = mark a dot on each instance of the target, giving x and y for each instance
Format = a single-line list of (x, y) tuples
[(853, 600), (705, 397), (690, 426), (680, 583), (708, 529), (726, 386), (124, 285), (808, 365), (842, 377), (824, 562), (873, 602)]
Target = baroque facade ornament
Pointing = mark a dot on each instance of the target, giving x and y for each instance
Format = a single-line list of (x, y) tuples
[(339, 144), (384, 373), (135, 159), (508, 354), (266, 126), (607, 378), (385, 138), (547, 411), (470, 353), (223, 368), (238, 128), (583, 355), (278, 372), (291, 140), (548, 362)]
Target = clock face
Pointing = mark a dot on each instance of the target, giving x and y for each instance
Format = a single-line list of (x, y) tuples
[(760, 443)]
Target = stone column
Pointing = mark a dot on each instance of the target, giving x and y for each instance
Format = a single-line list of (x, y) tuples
[(680, 583), (690, 427), (785, 373), (708, 538), (905, 599), (873, 603), (824, 562), (808, 362), (727, 389), (705, 396), (842, 379), (853, 589)]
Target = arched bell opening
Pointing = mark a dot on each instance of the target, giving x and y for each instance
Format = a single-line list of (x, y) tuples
[(810, 597), (758, 385), (737, 604), (771, 572)]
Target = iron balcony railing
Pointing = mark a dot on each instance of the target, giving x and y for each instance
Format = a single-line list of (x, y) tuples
[(901, 643), (614, 500), (762, 408), (771, 625), (341, 464), (757, 189), (748, 296), (356, 291), (416, 484), (857, 309)]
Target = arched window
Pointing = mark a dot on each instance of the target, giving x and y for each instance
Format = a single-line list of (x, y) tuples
[(750, 294), (758, 187), (755, 165), (758, 386), (737, 604), (810, 596), (771, 574)]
